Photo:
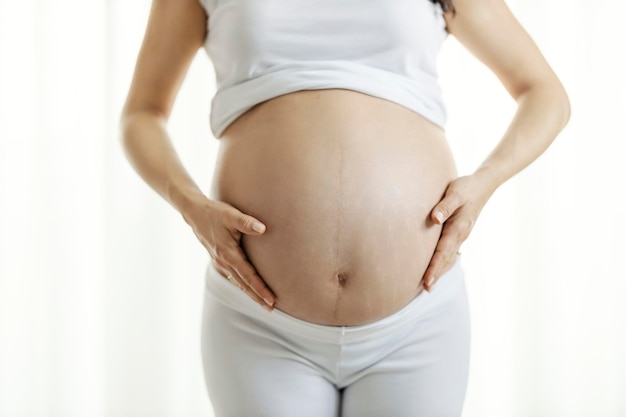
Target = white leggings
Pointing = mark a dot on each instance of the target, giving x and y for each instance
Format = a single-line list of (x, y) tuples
[(414, 362)]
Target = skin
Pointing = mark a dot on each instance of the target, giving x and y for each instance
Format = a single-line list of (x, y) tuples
[(176, 30), (346, 197), (488, 29)]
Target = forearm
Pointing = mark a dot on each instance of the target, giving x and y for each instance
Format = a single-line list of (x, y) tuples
[(149, 149), (542, 112)]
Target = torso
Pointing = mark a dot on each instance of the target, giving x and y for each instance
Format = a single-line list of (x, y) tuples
[(344, 183)]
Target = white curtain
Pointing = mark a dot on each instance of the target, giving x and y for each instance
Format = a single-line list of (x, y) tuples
[(101, 280)]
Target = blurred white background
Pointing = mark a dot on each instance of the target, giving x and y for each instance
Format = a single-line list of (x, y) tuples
[(101, 280)]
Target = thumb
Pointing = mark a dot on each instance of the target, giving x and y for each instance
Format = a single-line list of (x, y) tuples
[(248, 224), (444, 209)]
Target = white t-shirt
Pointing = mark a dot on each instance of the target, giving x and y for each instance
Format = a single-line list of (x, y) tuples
[(262, 49)]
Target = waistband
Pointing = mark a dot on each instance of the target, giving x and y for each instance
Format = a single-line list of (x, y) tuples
[(228, 294)]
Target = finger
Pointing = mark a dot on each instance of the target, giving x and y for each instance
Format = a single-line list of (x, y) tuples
[(432, 272), (223, 272), (233, 277), (444, 252), (247, 224), (443, 266), (448, 205), (236, 260), (227, 273), (250, 278), (233, 257)]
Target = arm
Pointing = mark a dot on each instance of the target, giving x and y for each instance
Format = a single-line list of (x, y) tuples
[(176, 30), (488, 29), (490, 32)]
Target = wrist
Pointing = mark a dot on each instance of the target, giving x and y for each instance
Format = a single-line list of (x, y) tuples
[(186, 200), (488, 177)]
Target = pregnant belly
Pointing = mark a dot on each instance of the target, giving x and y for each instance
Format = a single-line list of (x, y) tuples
[(344, 183)]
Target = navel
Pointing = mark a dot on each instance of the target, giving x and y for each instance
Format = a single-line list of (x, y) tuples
[(341, 278)]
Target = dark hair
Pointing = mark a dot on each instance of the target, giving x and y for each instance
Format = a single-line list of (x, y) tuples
[(446, 5)]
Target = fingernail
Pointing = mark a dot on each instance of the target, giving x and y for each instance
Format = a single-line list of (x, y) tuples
[(430, 281), (257, 227), (268, 302), (439, 216)]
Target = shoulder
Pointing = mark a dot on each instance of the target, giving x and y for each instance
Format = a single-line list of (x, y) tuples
[(491, 32)]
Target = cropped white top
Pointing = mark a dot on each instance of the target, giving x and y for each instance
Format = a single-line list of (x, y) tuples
[(262, 49)]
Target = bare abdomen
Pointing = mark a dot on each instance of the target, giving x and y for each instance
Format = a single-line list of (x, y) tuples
[(344, 183)]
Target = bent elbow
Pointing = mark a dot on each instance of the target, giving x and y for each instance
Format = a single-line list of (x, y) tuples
[(567, 109), (131, 122)]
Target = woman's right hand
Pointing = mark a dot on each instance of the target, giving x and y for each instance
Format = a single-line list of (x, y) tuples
[(219, 226)]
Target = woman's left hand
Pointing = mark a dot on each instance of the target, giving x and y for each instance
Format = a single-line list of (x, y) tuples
[(457, 211)]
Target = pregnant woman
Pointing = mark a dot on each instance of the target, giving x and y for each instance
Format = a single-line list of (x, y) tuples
[(335, 200)]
